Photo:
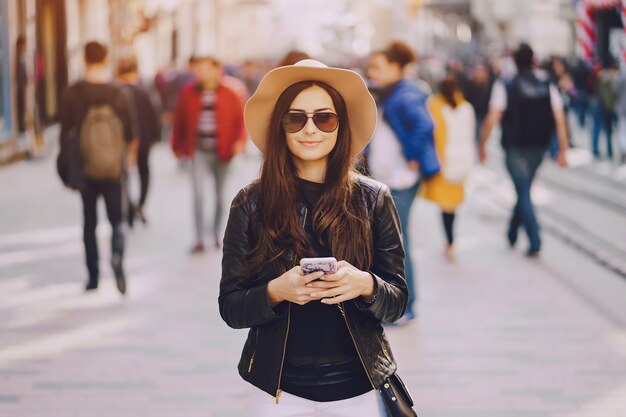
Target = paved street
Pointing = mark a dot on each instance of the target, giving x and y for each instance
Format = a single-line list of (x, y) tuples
[(497, 335)]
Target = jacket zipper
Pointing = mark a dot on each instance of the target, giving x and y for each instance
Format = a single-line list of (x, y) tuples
[(256, 342), (345, 317), (282, 361)]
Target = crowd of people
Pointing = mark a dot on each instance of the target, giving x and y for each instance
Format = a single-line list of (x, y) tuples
[(348, 152)]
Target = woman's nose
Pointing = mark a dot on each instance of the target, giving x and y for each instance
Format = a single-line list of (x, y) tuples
[(310, 127)]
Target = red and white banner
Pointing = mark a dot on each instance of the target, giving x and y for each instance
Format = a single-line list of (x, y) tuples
[(585, 31), (601, 4)]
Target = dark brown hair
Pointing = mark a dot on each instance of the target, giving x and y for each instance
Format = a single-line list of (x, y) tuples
[(205, 58), (448, 89), (127, 66), (95, 52), (400, 53), (339, 218)]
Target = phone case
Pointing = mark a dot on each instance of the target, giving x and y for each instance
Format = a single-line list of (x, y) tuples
[(310, 265)]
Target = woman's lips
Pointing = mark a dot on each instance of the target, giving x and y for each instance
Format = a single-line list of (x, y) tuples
[(310, 143)]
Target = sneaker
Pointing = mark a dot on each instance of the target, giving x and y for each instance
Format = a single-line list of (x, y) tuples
[(450, 253), (511, 238), (141, 215), (91, 286), (533, 253), (120, 277), (197, 248)]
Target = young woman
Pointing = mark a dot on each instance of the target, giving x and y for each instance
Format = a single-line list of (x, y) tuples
[(455, 123), (403, 105), (316, 342)]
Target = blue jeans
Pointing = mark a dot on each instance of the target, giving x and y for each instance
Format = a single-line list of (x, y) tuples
[(522, 165), (404, 201), (603, 120)]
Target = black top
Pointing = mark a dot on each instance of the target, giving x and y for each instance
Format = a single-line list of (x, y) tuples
[(321, 362), (144, 113)]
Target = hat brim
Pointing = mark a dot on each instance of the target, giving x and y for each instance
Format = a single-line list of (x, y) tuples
[(360, 104)]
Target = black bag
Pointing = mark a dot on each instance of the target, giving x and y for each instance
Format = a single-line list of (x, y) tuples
[(398, 401)]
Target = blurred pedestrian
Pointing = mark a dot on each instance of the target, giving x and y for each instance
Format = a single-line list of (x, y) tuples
[(250, 75), (561, 77), (147, 122), (21, 81), (96, 127), (478, 94), (606, 108), (292, 57), (620, 109), (455, 122), (583, 78), (529, 108), (169, 82), (208, 129), (315, 341), (404, 110)]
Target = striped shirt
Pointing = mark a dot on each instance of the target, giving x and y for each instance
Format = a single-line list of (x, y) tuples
[(207, 124)]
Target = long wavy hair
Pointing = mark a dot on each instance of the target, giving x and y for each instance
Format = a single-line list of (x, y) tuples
[(339, 218)]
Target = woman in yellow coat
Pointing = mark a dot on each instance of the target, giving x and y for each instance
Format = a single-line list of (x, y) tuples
[(454, 121)]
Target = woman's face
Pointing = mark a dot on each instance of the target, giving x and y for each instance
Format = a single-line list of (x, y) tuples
[(310, 144), (383, 72)]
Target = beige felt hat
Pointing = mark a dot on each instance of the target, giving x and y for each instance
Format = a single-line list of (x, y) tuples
[(350, 85)]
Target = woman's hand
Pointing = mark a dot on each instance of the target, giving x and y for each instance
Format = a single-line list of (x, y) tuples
[(292, 286), (346, 284)]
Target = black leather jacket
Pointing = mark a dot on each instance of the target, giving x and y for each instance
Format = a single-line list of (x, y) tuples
[(244, 303)]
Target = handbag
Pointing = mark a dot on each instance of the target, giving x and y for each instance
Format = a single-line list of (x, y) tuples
[(398, 401)]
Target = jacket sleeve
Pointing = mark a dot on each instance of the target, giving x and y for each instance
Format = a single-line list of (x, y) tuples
[(415, 116), (241, 305), (388, 267)]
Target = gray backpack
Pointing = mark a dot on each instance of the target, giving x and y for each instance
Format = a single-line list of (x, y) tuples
[(102, 143)]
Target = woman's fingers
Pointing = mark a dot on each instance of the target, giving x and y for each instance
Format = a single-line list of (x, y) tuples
[(339, 299), (332, 292), (312, 276)]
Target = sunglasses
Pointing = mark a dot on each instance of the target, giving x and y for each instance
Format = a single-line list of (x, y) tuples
[(295, 121)]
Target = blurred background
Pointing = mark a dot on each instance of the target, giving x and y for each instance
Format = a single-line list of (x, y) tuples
[(497, 334)]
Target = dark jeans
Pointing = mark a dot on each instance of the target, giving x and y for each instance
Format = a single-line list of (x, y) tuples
[(144, 172), (112, 193), (522, 165), (404, 201)]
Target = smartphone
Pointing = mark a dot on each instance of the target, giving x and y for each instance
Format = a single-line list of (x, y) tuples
[(310, 265)]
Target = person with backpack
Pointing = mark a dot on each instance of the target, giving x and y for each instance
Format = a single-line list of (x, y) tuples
[(96, 128), (146, 119), (528, 108), (208, 129), (455, 127)]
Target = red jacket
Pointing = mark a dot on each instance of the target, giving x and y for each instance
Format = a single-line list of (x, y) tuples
[(229, 115)]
